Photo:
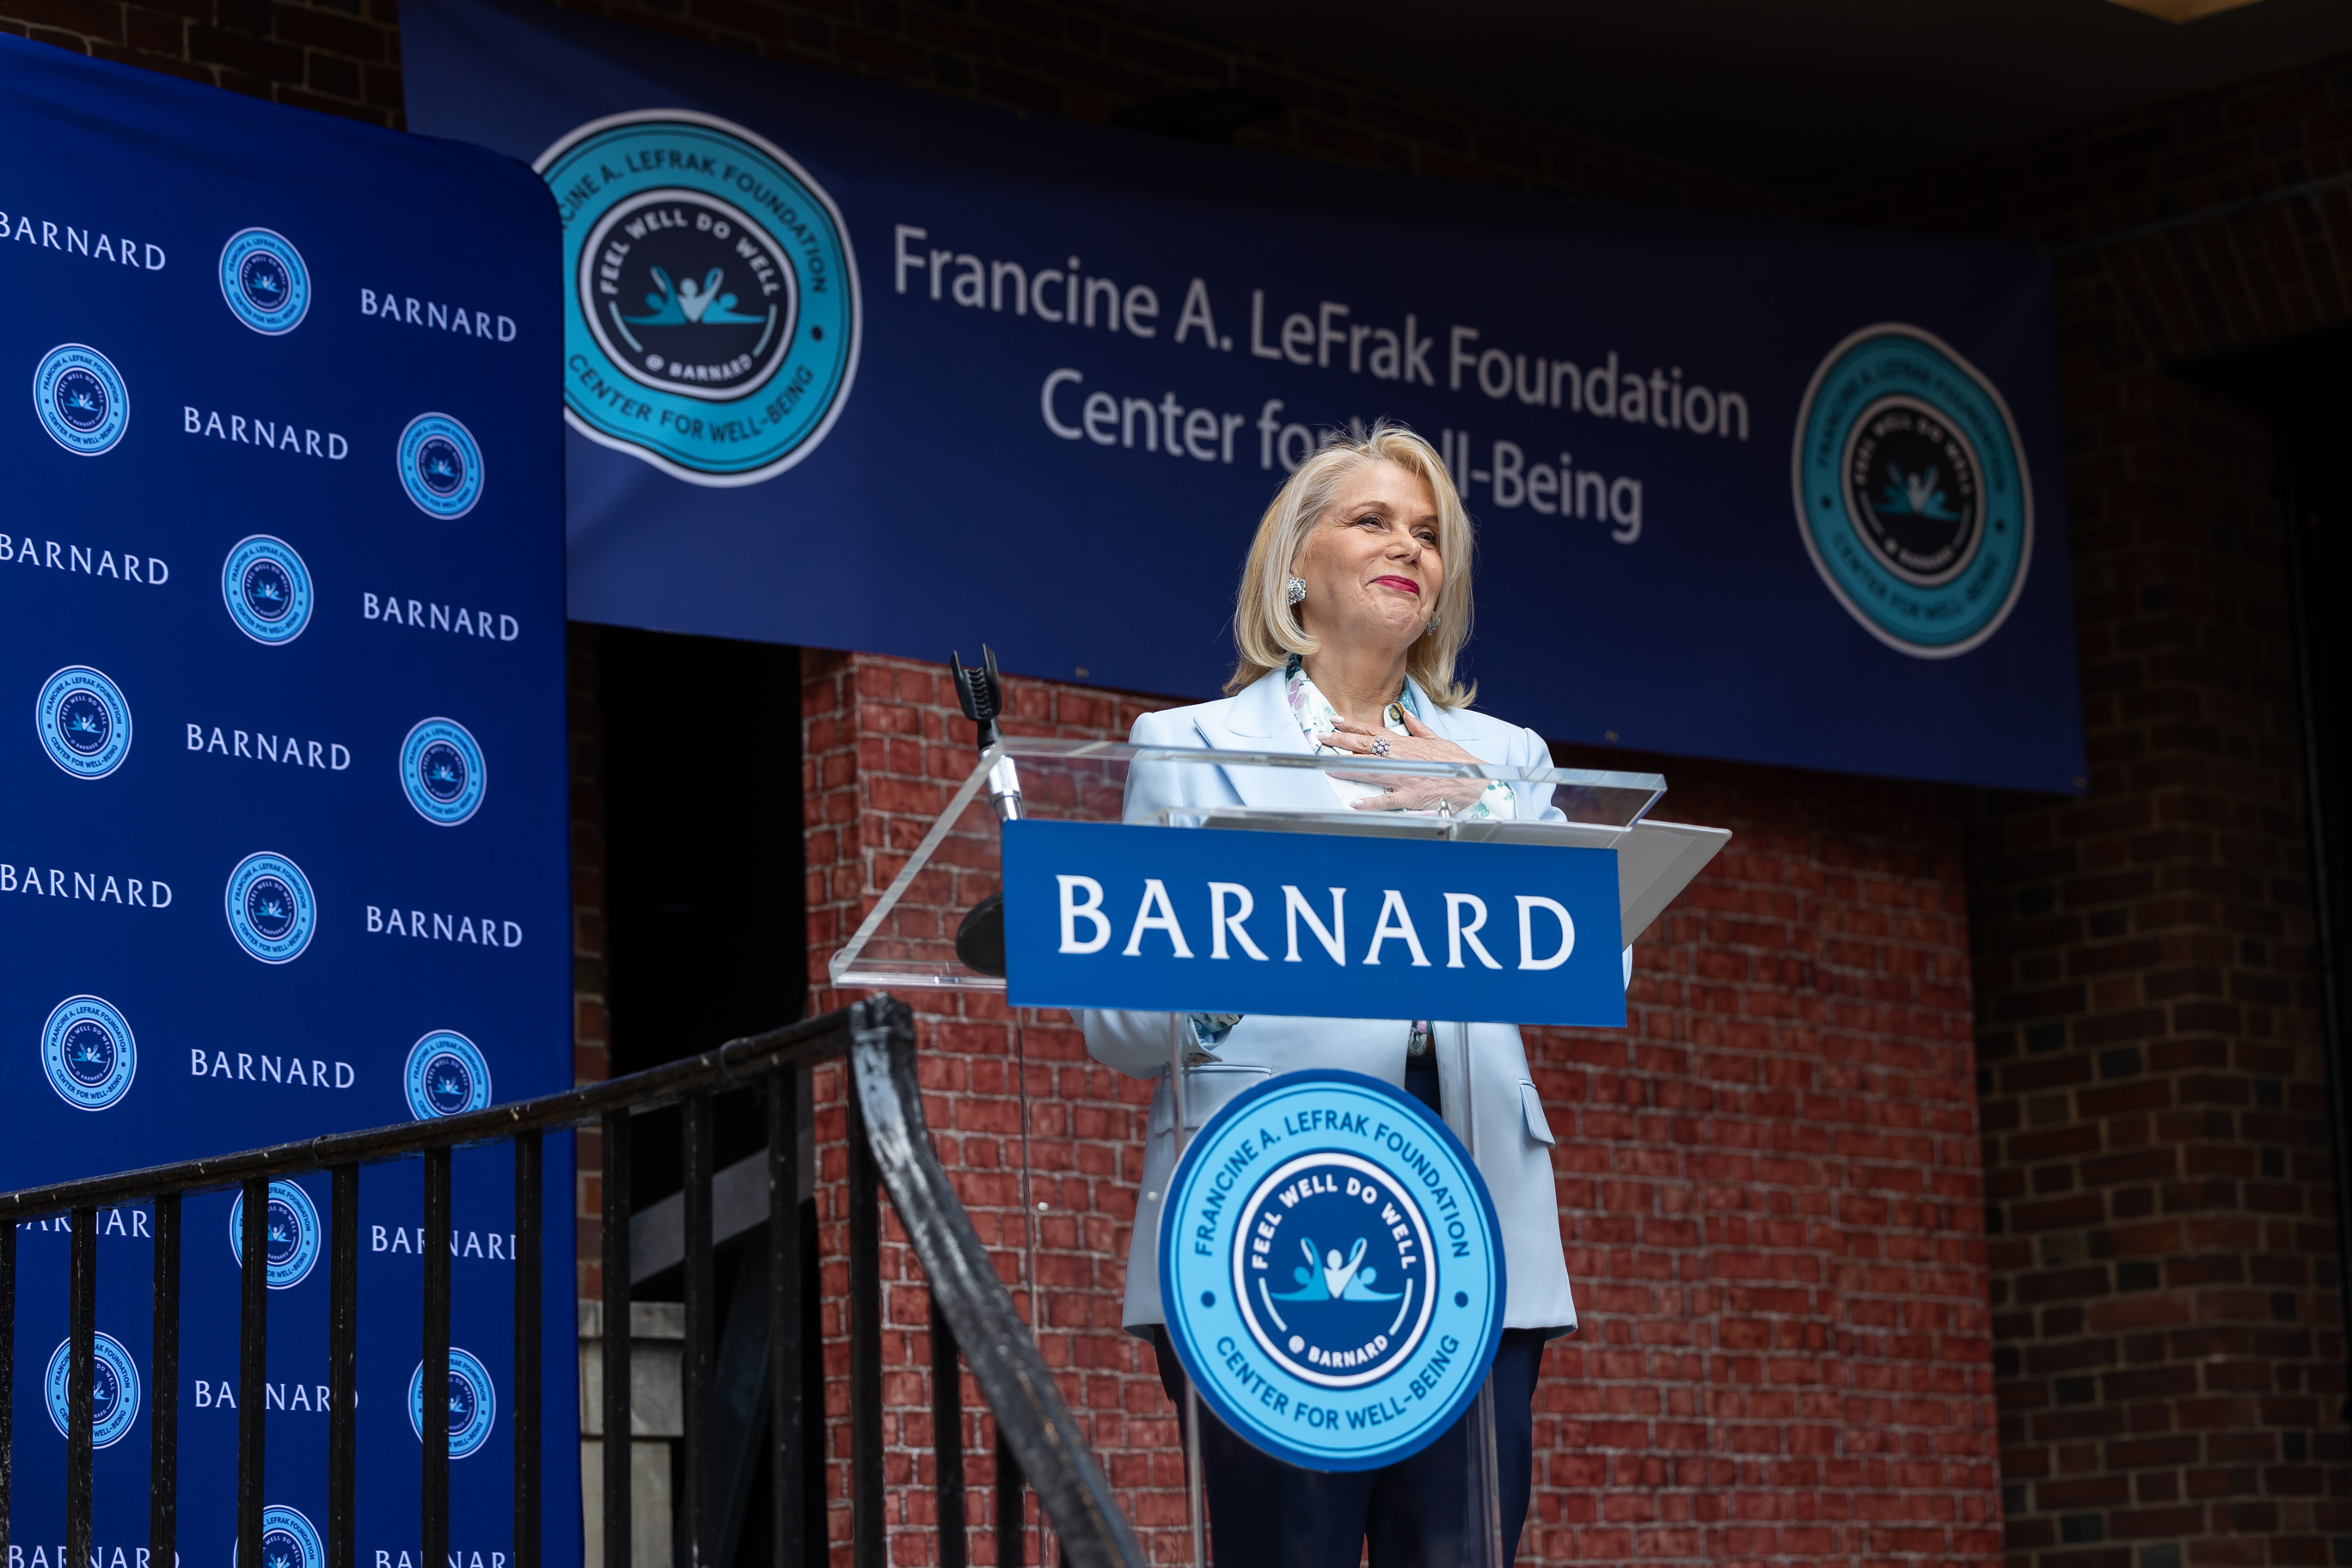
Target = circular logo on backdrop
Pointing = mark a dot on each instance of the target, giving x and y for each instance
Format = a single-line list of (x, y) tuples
[(1912, 492), (709, 292), (1332, 1270), (441, 769), (288, 1540), (447, 1076), (270, 909), (473, 1402), (81, 398), (440, 466), (113, 1390), (293, 1234), (267, 589), (264, 281), (88, 1052), (85, 724)]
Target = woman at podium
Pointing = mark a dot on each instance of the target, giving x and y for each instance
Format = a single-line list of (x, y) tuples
[(1354, 603)]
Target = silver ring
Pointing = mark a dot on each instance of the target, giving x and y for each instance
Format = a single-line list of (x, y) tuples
[(1380, 747)]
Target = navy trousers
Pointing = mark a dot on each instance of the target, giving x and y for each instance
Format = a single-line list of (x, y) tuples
[(1264, 1513)]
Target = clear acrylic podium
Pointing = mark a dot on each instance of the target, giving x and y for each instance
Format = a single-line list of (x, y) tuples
[(942, 889)]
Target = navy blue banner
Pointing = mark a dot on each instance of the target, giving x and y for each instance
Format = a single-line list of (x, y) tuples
[(1098, 915), (869, 368), (283, 812)]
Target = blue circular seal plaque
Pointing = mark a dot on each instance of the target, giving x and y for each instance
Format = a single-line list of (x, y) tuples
[(441, 769), (84, 724), (264, 281), (711, 319), (288, 1540), (88, 1052), (113, 1390), (270, 909), (293, 1234), (440, 466), (1912, 493), (447, 1076), (1332, 1270), (267, 589), (81, 398), (473, 1402)]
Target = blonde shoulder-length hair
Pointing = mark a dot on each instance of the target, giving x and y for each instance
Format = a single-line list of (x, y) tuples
[(1266, 629)]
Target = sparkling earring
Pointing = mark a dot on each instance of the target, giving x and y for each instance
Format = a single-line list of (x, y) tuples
[(1294, 591), (1431, 629)]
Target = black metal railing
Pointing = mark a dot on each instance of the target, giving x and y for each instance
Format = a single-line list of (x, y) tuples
[(890, 1144)]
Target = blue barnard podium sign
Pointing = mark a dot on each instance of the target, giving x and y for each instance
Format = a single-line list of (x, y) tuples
[(1100, 915), (1332, 1271), (282, 797)]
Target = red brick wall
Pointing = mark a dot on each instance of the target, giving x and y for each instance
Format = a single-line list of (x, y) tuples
[(1768, 1184), (2165, 1276)]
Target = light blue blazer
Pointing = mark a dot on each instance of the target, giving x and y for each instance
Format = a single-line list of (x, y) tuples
[(1512, 1140)]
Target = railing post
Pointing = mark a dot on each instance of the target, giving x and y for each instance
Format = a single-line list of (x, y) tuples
[(615, 1145), (163, 1399), (1012, 1513), (433, 1397), (253, 1365), (529, 1199), (865, 1343), (7, 1376), (342, 1365), (81, 1372), (786, 1476), (696, 1374), (947, 1439)]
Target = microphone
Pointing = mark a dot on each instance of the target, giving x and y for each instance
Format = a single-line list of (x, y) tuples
[(979, 936)]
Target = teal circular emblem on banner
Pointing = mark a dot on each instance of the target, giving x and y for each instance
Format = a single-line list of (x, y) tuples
[(267, 589), (89, 1053), (447, 1076), (440, 466), (293, 1234), (270, 907), (473, 1407), (81, 400), (264, 281), (84, 722), (288, 1540), (1331, 1270), (711, 316), (442, 771), (113, 1390), (1912, 492)]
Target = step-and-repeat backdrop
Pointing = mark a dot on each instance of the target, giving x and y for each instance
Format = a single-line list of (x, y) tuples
[(282, 808), (872, 368)]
